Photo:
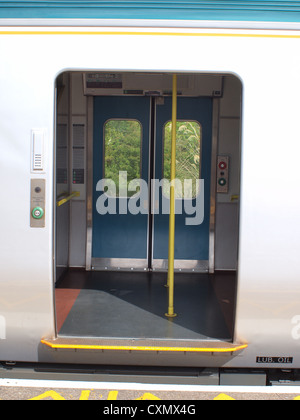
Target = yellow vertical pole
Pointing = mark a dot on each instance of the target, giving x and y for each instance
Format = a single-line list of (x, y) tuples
[(170, 284)]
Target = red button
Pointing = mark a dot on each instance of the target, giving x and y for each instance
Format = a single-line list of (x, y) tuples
[(222, 165)]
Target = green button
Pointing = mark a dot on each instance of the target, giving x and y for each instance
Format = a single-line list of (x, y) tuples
[(37, 213), (222, 182)]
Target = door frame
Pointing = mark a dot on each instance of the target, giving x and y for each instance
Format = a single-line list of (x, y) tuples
[(207, 267)]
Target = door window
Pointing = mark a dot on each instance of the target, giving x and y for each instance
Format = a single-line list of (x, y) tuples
[(188, 158), (122, 153)]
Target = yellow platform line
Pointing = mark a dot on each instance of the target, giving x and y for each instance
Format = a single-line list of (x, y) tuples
[(54, 345)]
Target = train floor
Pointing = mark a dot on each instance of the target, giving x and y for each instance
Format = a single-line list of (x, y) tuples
[(133, 305)]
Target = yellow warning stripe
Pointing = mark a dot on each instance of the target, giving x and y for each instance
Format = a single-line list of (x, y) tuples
[(54, 345), (189, 34)]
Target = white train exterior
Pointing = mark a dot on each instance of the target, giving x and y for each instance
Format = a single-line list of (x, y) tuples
[(256, 65)]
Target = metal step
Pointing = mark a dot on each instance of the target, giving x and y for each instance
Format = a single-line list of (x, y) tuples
[(143, 345)]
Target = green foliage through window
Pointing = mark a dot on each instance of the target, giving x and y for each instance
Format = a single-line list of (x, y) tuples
[(188, 157), (122, 152)]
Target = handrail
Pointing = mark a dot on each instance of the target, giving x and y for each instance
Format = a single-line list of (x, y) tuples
[(67, 198), (170, 283), (234, 197)]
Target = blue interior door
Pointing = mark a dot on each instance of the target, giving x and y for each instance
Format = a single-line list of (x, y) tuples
[(119, 236), (191, 240), (121, 143)]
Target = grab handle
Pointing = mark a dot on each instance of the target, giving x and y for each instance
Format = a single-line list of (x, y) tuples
[(67, 198)]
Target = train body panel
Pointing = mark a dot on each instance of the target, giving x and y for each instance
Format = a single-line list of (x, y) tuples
[(258, 107)]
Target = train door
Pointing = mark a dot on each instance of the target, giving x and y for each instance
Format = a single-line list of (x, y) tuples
[(192, 197), (130, 231), (120, 159)]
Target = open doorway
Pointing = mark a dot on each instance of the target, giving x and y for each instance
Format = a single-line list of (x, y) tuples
[(112, 194)]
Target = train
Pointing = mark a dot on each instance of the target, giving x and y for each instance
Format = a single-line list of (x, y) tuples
[(99, 102)]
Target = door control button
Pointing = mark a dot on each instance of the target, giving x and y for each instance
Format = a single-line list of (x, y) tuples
[(222, 174), (222, 181), (37, 213)]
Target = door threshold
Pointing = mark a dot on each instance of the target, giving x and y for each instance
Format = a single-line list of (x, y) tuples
[(144, 345), (119, 264), (136, 264)]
